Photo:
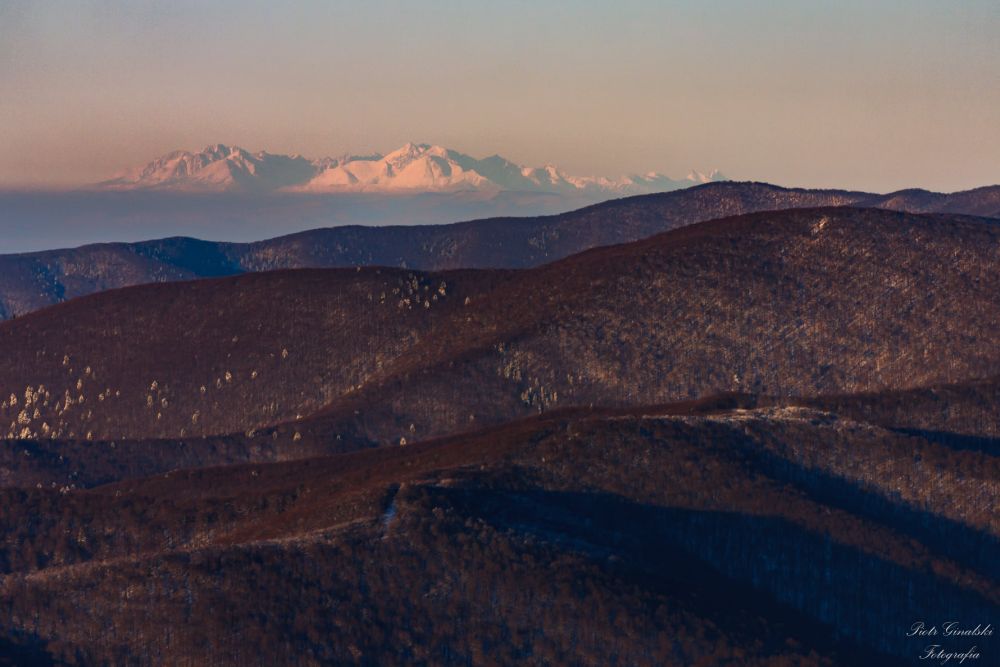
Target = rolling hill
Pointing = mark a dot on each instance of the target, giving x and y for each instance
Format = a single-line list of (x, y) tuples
[(666, 535), (791, 303), (766, 439), (35, 280)]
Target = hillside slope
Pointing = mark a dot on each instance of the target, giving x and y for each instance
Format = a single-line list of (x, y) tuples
[(664, 536), (792, 303), (34, 280)]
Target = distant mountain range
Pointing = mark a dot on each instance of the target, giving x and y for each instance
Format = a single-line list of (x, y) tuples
[(33, 280), (411, 168)]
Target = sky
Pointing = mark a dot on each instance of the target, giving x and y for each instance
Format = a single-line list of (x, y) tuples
[(876, 95)]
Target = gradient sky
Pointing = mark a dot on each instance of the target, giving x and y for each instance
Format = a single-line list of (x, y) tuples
[(873, 95)]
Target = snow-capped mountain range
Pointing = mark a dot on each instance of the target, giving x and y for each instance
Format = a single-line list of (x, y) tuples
[(412, 168)]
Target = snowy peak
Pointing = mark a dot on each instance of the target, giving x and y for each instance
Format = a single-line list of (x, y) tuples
[(217, 168), (410, 152), (411, 168), (699, 177)]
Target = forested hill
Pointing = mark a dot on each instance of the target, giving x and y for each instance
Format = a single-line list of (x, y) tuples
[(34, 280)]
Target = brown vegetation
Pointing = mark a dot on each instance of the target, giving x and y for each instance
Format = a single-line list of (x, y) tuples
[(763, 440), (379, 355), (33, 280), (587, 537)]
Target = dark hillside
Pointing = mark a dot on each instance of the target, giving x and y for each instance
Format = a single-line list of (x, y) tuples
[(966, 413), (34, 280), (213, 356), (794, 303), (783, 304), (740, 537)]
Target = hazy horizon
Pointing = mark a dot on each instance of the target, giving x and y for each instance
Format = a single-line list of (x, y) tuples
[(872, 96)]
